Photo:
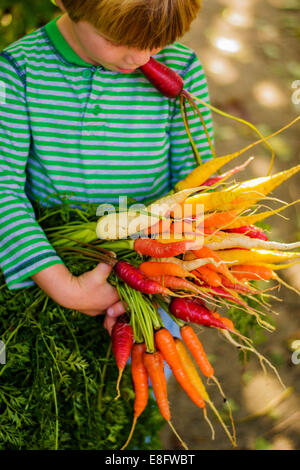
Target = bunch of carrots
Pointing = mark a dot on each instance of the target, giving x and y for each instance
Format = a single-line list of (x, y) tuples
[(194, 251)]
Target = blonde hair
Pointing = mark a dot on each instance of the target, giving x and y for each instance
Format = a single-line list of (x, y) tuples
[(144, 24)]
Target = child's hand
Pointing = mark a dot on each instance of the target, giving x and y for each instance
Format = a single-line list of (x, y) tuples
[(89, 293)]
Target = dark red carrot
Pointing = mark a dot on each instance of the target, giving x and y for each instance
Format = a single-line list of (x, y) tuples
[(168, 82), (122, 342), (250, 230), (191, 311), (134, 278)]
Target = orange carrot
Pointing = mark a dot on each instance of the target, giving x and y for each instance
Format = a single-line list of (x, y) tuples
[(194, 345), (154, 365), (140, 383), (251, 271), (220, 219), (154, 268), (209, 276), (206, 252), (196, 349), (166, 345), (176, 283), (226, 321)]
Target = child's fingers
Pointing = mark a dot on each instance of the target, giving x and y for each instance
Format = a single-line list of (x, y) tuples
[(113, 312), (109, 323), (101, 272), (116, 310)]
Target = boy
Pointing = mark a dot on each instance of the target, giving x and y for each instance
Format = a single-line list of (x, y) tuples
[(80, 121)]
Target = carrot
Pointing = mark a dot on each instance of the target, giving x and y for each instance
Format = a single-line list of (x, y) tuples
[(192, 341), (191, 311), (122, 225), (248, 271), (198, 384), (168, 82), (236, 240), (250, 230), (140, 383), (154, 248), (154, 365), (135, 278), (220, 219), (166, 345), (176, 283), (209, 276), (156, 268), (253, 218), (188, 265), (221, 292), (221, 267), (199, 175), (220, 178), (122, 341), (195, 347), (226, 321), (254, 256), (240, 195)]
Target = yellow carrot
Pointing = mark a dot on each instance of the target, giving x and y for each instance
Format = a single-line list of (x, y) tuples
[(243, 221), (200, 174), (238, 196), (196, 381), (237, 240), (236, 256)]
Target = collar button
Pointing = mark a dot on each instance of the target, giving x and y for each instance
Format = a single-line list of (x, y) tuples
[(87, 73)]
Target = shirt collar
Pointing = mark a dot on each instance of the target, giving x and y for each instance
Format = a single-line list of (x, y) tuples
[(62, 46)]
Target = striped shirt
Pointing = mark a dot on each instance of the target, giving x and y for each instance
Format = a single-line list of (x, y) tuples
[(78, 132)]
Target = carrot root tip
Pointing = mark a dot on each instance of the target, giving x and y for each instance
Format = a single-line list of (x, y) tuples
[(118, 384)]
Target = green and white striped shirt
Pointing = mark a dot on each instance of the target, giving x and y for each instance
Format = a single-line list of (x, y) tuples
[(71, 130)]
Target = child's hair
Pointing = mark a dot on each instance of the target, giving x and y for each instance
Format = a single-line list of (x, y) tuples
[(144, 24)]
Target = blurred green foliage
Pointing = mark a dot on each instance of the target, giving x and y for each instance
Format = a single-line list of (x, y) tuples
[(18, 18)]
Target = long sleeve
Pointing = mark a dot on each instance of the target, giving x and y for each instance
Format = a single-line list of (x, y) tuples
[(24, 247), (181, 154)]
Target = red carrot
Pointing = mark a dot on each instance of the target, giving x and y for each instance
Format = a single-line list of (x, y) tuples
[(168, 82), (250, 230), (155, 249), (192, 311), (227, 174), (122, 341), (134, 278)]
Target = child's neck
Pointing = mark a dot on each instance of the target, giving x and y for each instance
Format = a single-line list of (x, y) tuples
[(65, 26)]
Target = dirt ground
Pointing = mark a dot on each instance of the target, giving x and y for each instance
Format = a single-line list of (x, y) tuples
[(250, 51)]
